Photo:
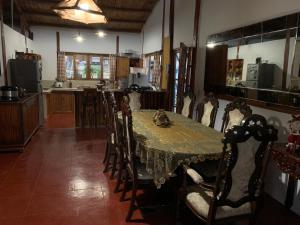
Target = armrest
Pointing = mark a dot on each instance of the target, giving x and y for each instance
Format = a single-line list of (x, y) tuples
[(197, 178)]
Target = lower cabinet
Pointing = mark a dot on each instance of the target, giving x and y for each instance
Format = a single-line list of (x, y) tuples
[(18, 121), (60, 102)]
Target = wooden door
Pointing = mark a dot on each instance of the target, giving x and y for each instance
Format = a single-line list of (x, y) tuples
[(215, 69)]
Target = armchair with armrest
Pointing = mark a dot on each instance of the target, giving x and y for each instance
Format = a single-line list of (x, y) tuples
[(237, 190)]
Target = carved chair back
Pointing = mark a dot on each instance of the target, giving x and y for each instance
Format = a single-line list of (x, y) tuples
[(129, 143), (207, 109), (186, 103), (243, 164), (235, 113)]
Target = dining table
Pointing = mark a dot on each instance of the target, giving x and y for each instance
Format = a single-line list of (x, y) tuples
[(164, 149)]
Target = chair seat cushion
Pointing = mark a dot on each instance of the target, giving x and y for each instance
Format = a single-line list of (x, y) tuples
[(199, 200)]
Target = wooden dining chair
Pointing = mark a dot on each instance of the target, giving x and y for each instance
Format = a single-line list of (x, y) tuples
[(187, 103), (110, 153), (207, 109), (134, 99), (236, 193), (107, 126), (135, 171), (119, 158), (235, 113)]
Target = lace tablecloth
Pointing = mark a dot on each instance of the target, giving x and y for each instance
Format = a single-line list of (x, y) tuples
[(163, 149)]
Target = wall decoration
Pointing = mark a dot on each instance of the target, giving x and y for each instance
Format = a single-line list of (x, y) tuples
[(234, 71)]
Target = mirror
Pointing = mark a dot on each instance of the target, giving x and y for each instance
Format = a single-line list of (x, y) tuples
[(263, 61), (295, 73)]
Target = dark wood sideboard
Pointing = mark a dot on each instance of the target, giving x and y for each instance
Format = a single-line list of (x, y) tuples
[(19, 120)]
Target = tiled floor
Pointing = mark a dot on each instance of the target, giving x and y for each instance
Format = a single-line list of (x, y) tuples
[(58, 180)]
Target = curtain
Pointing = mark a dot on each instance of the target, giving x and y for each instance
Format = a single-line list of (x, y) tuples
[(61, 67), (112, 66), (157, 70), (146, 64)]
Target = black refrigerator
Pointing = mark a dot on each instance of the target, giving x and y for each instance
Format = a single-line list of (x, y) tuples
[(27, 74)]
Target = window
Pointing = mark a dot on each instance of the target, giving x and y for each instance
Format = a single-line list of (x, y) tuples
[(154, 68), (81, 66), (69, 59), (87, 66), (95, 66), (106, 68)]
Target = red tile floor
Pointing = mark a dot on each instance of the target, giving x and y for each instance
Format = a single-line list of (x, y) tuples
[(58, 180)]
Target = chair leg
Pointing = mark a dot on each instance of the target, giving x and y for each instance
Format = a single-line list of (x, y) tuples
[(106, 153), (119, 178), (252, 220), (114, 167), (122, 198), (107, 163), (132, 206)]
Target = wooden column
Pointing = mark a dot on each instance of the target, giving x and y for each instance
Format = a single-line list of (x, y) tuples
[(57, 50), (3, 45), (170, 89), (196, 38)]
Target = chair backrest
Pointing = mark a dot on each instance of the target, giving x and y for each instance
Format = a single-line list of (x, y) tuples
[(115, 124), (188, 102), (106, 110), (129, 151), (243, 163), (207, 109), (235, 113), (134, 100)]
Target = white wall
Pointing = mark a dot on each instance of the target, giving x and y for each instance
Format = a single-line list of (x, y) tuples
[(14, 41), (45, 44), (184, 12), (152, 30), (218, 16)]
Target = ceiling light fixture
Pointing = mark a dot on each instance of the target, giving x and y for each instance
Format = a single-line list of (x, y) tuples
[(211, 45), (101, 34), (79, 38), (83, 11)]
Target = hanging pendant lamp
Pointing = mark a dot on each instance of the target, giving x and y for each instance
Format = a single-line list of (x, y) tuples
[(83, 11)]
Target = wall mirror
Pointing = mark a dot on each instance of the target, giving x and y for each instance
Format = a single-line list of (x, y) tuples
[(259, 62)]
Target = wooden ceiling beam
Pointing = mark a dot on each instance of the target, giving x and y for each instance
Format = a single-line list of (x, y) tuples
[(84, 27), (50, 15), (51, 4)]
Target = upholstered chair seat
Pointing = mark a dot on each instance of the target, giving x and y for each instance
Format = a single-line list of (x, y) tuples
[(199, 200)]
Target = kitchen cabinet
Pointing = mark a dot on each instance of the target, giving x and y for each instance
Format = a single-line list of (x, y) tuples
[(122, 67), (60, 102), (19, 120)]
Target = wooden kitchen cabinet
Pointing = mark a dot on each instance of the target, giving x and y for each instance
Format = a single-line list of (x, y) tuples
[(122, 67), (60, 102), (18, 121)]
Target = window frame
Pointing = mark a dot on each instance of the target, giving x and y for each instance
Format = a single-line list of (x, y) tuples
[(88, 63)]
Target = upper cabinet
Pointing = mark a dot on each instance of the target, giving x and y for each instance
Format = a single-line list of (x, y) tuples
[(122, 67)]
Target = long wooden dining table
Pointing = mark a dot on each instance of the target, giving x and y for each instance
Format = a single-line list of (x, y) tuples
[(164, 149)]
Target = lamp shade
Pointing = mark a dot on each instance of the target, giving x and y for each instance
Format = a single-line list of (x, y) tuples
[(83, 11)]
